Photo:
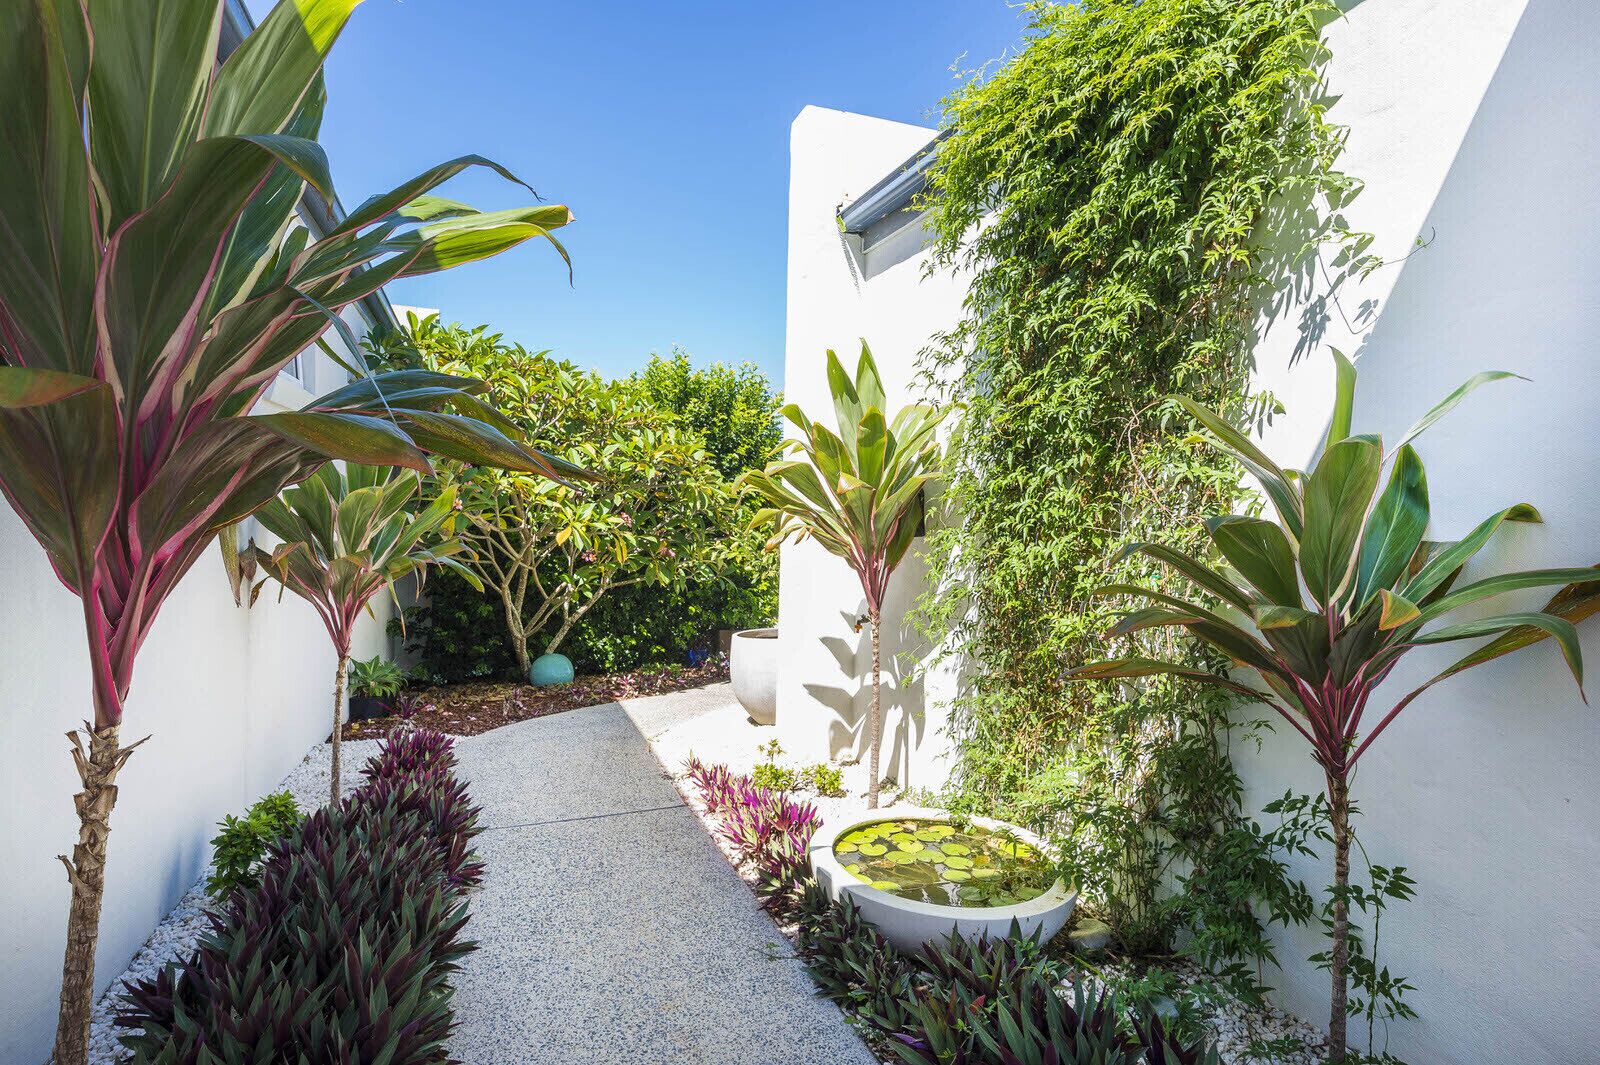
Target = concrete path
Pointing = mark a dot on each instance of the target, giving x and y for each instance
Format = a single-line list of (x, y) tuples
[(610, 927)]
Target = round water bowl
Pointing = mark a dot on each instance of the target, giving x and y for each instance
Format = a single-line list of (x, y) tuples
[(753, 666), (550, 669), (908, 923)]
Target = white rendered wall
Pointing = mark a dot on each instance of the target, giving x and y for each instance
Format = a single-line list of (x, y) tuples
[(1473, 124), (231, 699), (837, 296)]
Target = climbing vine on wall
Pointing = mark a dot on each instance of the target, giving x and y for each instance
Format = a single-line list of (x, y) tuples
[(1130, 195)]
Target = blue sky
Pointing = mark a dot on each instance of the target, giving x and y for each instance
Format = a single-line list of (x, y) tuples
[(665, 127)]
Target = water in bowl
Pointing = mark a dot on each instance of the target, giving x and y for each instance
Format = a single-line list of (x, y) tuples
[(943, 863)]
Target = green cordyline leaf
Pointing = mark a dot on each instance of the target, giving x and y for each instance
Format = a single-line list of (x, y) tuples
[(1395, 528), (1261, 553), (1274, 481), (1446, 405), (1344, 398), (1338, 494), (1198, 572), (1442, 566)]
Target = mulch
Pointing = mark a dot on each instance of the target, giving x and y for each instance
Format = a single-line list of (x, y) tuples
[(477, 706)]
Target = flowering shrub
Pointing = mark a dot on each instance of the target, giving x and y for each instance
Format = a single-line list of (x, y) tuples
[(343, 950)]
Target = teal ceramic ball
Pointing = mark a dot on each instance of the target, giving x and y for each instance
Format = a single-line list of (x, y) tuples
[(550, 669)]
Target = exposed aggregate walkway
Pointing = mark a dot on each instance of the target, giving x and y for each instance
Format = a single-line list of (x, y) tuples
[(610, 927)]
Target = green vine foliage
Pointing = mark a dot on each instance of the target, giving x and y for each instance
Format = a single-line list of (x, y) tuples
[(1108, 191)]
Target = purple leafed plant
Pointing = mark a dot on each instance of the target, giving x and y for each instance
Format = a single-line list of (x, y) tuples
[(763, 827), (343, 950)]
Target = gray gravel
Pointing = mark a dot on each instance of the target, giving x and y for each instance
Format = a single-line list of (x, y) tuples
[(179, 931)]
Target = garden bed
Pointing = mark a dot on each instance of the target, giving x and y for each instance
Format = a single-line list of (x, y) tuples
[(478, 706), (1240, 1034)]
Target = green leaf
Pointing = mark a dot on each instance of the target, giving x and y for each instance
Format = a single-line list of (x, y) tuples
[(1344, 396), (1274, 481), (264, 81), (1507, 582), (1562, 630), (1441, 566), (1337, 496), (147, 92), (1446, 405), (23, 387), (351, 437), (1395, 529), (1395, 611), (1261, 553), (48, 247)]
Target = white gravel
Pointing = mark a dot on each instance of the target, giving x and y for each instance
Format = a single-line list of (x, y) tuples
[(179, 931), (726, 736)]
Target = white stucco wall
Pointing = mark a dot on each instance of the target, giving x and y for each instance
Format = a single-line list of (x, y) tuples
[(839, 294), (1472, 124), (231, 699)]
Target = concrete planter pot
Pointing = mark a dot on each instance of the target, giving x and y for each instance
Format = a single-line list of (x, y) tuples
[(753, 665), (909, 924)]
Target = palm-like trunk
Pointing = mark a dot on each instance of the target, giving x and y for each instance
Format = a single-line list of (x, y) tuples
[(86, 871), (876, 725), (1339, 815), (338, 723)]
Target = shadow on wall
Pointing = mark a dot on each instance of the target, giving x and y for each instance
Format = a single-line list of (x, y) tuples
[(903, 649)]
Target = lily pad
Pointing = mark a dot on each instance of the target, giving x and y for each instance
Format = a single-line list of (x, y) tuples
[(955, 848), (902, 858), (984, 873), (844, 847), (957, 875), (885, 885), (873, 850), (927, 854), (955, 861), (910, 846)]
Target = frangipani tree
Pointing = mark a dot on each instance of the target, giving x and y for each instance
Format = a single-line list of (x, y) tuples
[(652, 515), (153, 281), (346, 536), (1324, 603), (858, 493)]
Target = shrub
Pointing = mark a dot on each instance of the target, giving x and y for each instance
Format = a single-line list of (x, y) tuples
[(826, 779), (343, 950), (376, 678), (241, 842)]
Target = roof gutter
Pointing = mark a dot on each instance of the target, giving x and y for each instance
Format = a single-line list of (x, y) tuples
[(896, 192), (324, 215)]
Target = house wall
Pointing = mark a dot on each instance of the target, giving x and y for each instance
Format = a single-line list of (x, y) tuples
[(231, 699), (839, 294), (1472, 125)]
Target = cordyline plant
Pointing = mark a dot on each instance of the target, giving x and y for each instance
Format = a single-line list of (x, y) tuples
[(1324, 603), (858, 493), (347, 536), (153, 281)]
